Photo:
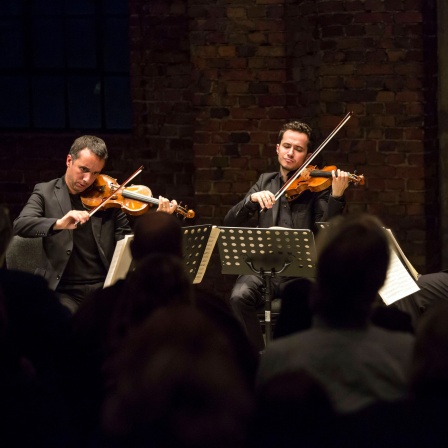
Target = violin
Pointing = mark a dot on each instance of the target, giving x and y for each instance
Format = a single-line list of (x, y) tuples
[(134, 200), (315, 180)]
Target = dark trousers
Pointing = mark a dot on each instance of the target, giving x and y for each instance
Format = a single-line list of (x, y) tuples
[(433, 290), (246, 300), (71, 296)]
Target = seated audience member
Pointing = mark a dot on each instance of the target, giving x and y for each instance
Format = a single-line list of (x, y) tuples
[(154, 233), (419, 419), (33, 336), (295, 313), (176, 383), (37, 323), (429, 377), (292, 410), (221, 314), (356, 362), (98, 319), (158, 280)]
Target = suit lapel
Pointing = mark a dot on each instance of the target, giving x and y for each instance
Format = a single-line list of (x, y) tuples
[(62, 196), (275, 187), (269, 217)]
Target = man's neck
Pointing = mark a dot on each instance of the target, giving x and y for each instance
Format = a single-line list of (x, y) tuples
[(285, 175)]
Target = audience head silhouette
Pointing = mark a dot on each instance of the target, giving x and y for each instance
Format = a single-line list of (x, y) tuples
[(292, 408), (430, 360), (158, 280), (156, 232), (353, 258), (177, 384)]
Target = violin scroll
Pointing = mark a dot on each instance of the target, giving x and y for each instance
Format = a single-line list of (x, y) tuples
[(356, 179)]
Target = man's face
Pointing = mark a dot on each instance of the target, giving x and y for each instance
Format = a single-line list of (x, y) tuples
[(82, 172), (292, 151)]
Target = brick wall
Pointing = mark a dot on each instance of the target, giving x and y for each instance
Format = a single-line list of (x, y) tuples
[(262, 63), (212, 82)]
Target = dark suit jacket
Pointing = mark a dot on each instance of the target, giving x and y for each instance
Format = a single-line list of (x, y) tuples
[(307, 209), (51, 201)]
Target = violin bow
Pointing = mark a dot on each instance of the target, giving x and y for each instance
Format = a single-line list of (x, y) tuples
[(312, 157), (116, 191)]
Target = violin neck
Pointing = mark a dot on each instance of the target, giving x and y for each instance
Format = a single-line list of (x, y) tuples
[(139, 197), (150, 200), (319, 173)]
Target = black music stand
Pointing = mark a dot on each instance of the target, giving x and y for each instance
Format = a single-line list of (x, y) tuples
[(267, 253)]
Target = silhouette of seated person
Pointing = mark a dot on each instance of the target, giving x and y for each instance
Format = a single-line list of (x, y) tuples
[(220, 313), (176, 383), (104, 318), (292, 410), (419, 419), (356, 362), (295, 313), (154, 233), (34, 330), (37, 323)]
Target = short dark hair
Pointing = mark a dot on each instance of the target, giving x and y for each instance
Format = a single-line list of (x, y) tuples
[(95, 145), (353, 258), (296, 126)]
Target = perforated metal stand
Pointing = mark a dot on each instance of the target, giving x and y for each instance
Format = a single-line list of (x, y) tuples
[(194, 244), (267, 253)]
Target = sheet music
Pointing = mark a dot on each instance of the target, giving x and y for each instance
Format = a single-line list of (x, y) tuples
[(399, 283), (398, 249), (121, 260), (214, 234)]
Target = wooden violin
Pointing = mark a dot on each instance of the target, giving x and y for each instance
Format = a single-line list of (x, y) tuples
[(313, 179), (134, 200)]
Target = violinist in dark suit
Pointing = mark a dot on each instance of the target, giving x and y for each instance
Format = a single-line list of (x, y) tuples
[(302, 213), (78, 247)]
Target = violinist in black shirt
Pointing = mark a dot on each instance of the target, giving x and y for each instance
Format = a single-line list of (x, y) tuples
[(302, 213), (76, 257)]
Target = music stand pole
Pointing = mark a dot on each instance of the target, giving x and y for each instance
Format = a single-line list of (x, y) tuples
[(267, 253)]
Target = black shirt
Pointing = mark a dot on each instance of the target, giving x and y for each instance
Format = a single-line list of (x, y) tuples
[(84, 265)]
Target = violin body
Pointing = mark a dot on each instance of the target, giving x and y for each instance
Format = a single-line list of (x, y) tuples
[(103, 187), (316, 180), (133, 200)]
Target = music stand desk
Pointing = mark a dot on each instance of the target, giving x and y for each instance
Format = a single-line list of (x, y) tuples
[(267, 253)]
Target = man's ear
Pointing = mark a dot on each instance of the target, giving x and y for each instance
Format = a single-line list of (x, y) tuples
[(69, 160), (276, 148)]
